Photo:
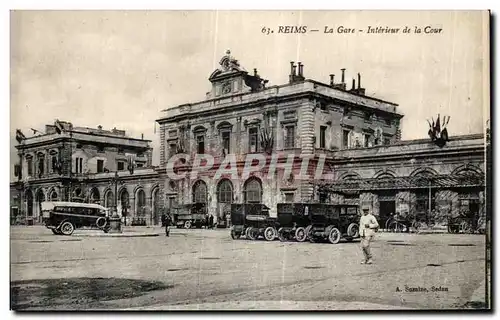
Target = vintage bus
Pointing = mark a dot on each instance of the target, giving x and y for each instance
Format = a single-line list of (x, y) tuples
[(64, 217)]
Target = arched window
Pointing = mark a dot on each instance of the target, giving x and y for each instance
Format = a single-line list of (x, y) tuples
[(141, 202), (124, 199), (109, 200), (155, 203), (200, 192), (95, 197), (252, 191), (53, 195), (225, 192)]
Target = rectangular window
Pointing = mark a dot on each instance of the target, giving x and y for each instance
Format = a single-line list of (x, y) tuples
[(367, 140), (289, 137), (289, 197), (345, 139), (226, 141), (172, 149), (100, 166), (81, 165), (200, 140), (30, 167), (121, 166), (76, 165), (139, 165), (41, 165), (387, 141), (100, 149), (322, 137), (253, 137)]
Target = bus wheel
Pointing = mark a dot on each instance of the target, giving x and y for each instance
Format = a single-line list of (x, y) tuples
[(270, 234), (300, 234), (101, 223), (334, 236), (67, 228)]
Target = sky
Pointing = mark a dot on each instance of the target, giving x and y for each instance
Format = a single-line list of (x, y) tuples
[(121, 68)]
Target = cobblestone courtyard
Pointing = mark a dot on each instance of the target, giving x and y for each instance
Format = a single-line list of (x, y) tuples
[(206, 269)]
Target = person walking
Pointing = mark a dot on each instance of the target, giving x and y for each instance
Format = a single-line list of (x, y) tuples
[(367, 227), (211, 221), (167, 225)]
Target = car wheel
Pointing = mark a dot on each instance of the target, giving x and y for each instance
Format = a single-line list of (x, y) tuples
[(235, 235), (67, 228), (281, 236), (187, 224), (300, 234), (252, 233), (270, 233), (353, 230), (334, 236)]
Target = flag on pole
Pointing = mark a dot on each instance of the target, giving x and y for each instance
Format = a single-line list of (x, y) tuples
[(59, 126), (20, 136)]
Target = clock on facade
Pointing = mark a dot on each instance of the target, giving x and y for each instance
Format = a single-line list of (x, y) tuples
[(226, 87)]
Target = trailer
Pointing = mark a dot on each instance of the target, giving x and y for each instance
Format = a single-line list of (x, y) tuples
[(252, 220)]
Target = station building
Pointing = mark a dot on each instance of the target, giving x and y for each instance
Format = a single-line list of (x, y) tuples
[(357, 136)]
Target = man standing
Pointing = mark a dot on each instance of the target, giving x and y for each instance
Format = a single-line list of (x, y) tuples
[(211, 221), (167, 225), (367, 228)]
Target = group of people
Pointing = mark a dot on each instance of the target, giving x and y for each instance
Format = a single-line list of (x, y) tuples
[(368, 226)]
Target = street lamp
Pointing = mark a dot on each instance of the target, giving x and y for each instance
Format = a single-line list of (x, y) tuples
[(115, 221)]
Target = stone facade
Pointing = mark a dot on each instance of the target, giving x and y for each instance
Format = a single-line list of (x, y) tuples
[(79, 164)]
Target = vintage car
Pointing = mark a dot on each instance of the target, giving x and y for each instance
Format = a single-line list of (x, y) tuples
[(333, 222), (190, 215), (293, 219), (64, 217), (253, 221)]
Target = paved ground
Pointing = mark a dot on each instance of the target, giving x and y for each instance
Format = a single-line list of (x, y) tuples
[(206, 269)]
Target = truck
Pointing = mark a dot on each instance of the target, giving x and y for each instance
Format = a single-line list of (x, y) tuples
[(190, 215)]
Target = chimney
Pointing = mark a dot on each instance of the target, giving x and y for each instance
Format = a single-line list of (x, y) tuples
[(142, 136), (301, 66), (332, 77), (343, 75), (294, 71), (255, 72), (359, 81), (99, 127), (292, 68), (353, 84)]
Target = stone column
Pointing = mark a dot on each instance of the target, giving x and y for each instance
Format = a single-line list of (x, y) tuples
[(306, 134)]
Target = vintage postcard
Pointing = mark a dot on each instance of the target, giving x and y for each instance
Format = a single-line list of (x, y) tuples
[(250, 160)]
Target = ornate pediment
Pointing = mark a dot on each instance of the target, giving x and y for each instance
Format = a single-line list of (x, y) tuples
[(228, 64)]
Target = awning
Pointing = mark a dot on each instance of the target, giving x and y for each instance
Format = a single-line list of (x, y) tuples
[(391, 183)]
